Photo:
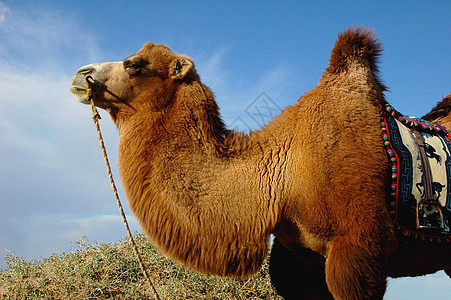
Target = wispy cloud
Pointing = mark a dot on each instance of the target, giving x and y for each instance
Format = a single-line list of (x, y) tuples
[(212, 70), (3, 11), (51, 166), (44, 39), (102, 223), (236, 96), (42, 235)]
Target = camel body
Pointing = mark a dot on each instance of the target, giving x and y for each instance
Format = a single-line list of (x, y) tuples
[(316, 176)]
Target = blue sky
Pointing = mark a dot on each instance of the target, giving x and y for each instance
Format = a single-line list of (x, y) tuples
[(53, 181)]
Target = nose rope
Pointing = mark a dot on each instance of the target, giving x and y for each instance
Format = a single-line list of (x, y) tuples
[(95, 86), (92, 85)]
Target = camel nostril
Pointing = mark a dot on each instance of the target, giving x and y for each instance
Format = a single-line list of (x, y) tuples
[(86, 70)]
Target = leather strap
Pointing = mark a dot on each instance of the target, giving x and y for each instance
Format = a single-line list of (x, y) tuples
[(427, 182), (426, 168)]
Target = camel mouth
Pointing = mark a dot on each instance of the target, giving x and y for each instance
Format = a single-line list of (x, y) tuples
[(78, 89), (80, 94)]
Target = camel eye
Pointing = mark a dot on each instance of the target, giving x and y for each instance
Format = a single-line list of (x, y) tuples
[(130, 68), (133, 66)]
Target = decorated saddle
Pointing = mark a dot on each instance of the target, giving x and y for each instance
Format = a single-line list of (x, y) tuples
[(420, 155)]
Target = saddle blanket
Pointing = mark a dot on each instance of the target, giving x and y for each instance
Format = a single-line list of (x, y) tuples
[(421, 220)]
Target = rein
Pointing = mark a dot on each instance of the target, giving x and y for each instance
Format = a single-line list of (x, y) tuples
[(92, 86)]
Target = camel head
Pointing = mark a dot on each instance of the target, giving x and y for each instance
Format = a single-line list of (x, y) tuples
[(145, 81)]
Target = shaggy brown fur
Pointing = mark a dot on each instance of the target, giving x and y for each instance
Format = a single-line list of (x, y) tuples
[(441, 112), (316, 176)]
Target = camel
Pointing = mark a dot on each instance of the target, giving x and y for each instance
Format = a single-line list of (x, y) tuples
[(441, 112), (316, 176)]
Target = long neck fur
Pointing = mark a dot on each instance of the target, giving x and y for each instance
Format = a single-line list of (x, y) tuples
[(196, 199)]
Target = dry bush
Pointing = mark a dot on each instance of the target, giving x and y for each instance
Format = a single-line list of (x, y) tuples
[(111, 271)]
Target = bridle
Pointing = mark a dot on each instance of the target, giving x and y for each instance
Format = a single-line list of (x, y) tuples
[(95, 86)]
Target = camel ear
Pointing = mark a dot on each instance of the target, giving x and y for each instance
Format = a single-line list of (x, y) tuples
[(180, 68)]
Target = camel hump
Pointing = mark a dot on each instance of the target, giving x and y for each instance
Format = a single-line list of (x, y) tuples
[(441, 110), (355, 45)]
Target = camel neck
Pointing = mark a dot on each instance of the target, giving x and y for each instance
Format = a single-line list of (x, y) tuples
[(200, 208)]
